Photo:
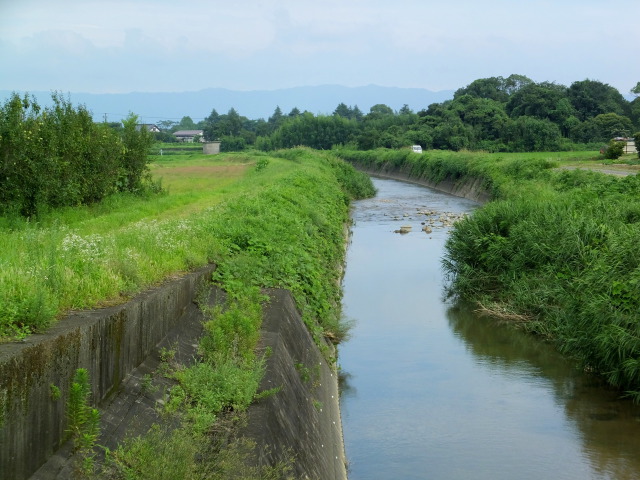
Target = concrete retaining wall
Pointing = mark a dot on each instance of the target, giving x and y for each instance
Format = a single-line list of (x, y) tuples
[(118, 345), (108, 342), (468, 187), (303, 418)]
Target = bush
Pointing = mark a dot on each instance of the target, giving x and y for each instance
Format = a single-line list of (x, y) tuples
[(614, 150), (636, 139), (59, 157)]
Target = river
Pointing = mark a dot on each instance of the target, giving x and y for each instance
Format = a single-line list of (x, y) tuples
[(432, 391)]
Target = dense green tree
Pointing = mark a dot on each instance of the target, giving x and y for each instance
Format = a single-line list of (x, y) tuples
[(530, 134), (186, 123), (491, 88), (230, 124), (487, 117), (233, 122), (276, 119), (634, 111), (260, 127), (541, 100), (58, 156), (614, 149), (213, 117), (612, 125), (603, 128), (165, 137), (495, 114), (343, 110), (320, 132), (380, 110), (352, 113), (591, 98), (231, 143), (405, 110), (494, 88)]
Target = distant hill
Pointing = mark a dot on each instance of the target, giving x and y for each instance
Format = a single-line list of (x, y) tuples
[(153, 107)]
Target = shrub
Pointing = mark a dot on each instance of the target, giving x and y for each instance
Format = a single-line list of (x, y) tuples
[(58, 156), (614, 150)]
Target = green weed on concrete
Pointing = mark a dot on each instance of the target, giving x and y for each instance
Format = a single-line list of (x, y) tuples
[(280, 225)]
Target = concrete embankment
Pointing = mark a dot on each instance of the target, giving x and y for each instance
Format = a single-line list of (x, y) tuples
[(35, 375), (119, 346), (467, 187), (303, 418)]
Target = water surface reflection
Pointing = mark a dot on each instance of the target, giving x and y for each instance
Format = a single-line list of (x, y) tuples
[(433, 391)]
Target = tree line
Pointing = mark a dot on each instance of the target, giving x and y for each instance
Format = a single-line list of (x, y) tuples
[(493, 114)]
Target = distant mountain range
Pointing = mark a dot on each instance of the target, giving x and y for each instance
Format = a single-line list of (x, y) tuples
[(153, 107)]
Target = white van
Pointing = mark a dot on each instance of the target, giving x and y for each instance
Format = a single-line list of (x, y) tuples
[(416, 149)]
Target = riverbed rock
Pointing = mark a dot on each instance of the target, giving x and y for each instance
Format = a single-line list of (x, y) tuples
[(403, 229)]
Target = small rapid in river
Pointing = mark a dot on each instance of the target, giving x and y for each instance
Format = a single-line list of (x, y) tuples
[(430, 390)]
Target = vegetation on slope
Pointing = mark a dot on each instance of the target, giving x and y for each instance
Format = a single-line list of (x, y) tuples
[(284, 228), (266, 221)]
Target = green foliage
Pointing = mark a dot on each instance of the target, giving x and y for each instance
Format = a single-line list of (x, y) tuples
[(83, 420), (614, 150), (321, 132), (262, 163), (284, 231), (55, 392), (591, 98), (636, 139), (560, 252), (179, 455), (230, 143), (79, 257), (59, 157), (492, 114)]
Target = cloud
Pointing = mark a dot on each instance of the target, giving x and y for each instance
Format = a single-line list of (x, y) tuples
[(118, 45)]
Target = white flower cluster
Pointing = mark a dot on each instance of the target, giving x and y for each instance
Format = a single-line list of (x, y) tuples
[(168, 236), (87, 248)]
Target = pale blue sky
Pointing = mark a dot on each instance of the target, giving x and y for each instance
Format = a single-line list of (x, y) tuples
[(117, 46)]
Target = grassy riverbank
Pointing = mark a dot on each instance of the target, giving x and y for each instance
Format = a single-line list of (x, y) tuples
[(556, 251), (266, 221), (84, 257)]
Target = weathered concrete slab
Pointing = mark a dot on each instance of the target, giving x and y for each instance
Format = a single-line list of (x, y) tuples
[(468, 187), (120, 347), (108, 342), (303, 418)]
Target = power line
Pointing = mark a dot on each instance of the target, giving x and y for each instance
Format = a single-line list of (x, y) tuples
[(123, 115)]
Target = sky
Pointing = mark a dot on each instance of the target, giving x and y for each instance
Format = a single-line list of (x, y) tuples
[(115, 46)]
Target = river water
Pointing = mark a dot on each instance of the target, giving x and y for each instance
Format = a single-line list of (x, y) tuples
[(431, 391)]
